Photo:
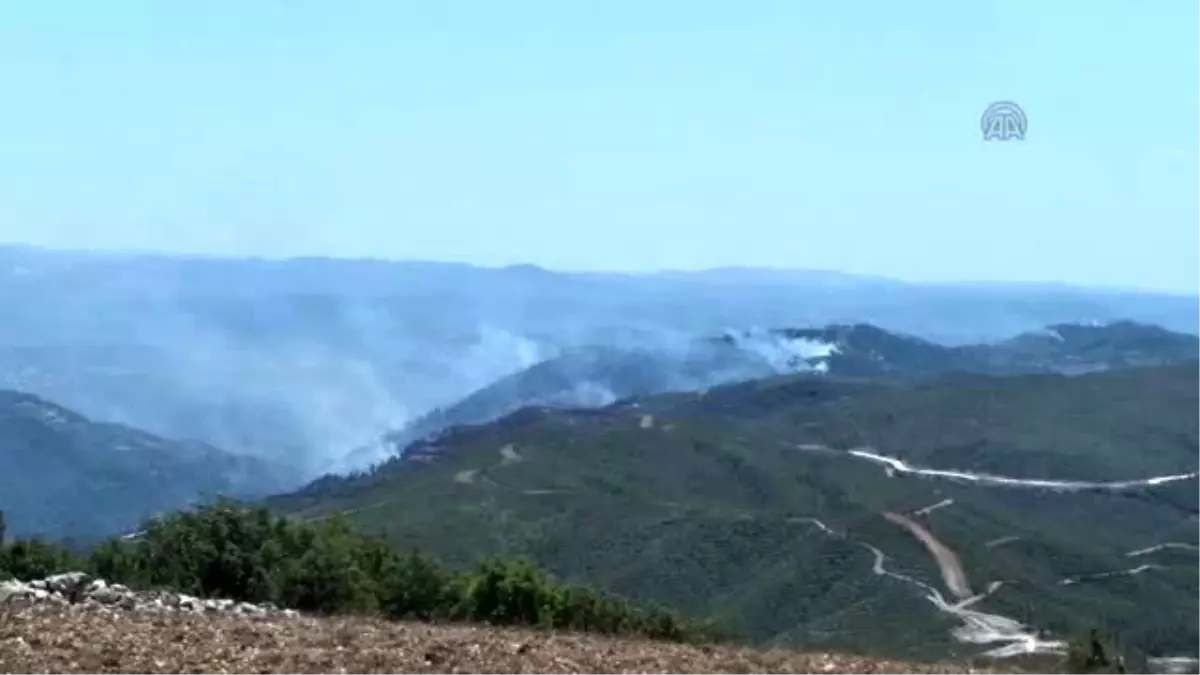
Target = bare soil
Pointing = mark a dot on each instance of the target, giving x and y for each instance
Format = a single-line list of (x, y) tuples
[(947, 560), (46, 639)]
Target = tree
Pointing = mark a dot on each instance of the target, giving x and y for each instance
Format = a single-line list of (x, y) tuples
[(28, 559), (1094, 653), (416, 587)]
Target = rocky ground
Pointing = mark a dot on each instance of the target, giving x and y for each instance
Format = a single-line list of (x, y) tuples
[(78, 588), (73, 624)]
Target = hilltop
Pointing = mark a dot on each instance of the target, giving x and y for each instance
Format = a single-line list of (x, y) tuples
[(761, 504)]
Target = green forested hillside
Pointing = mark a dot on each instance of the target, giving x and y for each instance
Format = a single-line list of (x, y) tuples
[(63, 475), (705, 502)]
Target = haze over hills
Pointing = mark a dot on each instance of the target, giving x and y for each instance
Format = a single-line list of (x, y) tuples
[(302, 366), (116, 474), (65, 476), (793, 508), (589, 377), (304, 360)]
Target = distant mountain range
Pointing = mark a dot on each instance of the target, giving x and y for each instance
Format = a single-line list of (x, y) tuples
[(300, 361), (866, 350)]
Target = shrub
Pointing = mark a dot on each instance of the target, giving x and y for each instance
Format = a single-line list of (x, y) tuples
[(229, 551), (1094, 653), (416, 587), (33, 558)]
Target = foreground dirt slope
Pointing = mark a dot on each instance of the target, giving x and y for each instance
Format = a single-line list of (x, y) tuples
[(43, 639)]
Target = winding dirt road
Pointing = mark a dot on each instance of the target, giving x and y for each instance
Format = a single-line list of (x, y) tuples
[(896, 465), (1010, 637)]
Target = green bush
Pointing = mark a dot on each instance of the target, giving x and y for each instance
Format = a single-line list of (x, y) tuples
[(228, 551), (1094, 653), (328, 577), (416, 587), (506, 592), (33, 558)]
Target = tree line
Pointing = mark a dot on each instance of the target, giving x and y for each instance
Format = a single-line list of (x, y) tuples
[(226, 550)]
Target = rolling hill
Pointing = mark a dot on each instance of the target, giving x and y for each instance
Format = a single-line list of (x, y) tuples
[(65, 476), (595, 376), (817, 511)]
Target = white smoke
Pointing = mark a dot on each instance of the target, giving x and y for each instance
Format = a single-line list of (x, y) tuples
[(310, 402), (339, 402), (303, 361), (592, 395), (497, 353), (782, 353)]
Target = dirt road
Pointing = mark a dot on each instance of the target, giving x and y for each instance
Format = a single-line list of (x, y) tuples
[(947, 561)]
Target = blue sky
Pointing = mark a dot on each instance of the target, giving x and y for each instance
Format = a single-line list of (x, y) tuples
[(623, 135)]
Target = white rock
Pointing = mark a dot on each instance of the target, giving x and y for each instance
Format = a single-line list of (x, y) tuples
[(67, 582), (106, 596), (14, 590), (101, 596)]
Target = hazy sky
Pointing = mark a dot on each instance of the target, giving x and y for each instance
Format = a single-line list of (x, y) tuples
[(637, 134)]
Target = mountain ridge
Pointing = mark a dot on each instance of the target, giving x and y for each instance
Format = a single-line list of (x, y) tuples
[(64, 476), (596, 376)]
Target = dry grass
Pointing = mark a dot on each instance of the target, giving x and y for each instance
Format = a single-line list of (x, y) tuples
[(44, 639)]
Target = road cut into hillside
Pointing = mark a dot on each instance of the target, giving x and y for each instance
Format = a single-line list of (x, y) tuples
[(953, 574)]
